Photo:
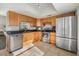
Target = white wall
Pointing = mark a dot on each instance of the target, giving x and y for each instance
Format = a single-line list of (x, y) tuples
[(77, 31), (2, 21)]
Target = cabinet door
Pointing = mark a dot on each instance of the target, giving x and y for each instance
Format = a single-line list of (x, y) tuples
[(13, 18), (28, 37), (37, 36), (53, 38), (22, 18)]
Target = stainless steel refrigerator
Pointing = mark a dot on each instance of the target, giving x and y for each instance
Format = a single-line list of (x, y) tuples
[(66, 33)]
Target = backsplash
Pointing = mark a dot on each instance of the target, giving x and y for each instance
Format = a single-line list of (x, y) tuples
[(12, 28), (24, 26)]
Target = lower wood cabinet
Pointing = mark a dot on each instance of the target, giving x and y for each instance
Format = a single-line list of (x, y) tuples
[(28, 37), (52, 37), (37, 36), (32, 37)]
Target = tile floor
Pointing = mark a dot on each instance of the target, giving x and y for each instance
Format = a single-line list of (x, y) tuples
[(46, 49), (4, 52), (52, 50), (34, 51)]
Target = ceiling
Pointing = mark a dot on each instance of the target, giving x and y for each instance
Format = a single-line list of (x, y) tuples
[(38, 10)]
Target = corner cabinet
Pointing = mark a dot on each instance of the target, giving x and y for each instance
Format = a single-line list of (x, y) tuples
[(13, 19)]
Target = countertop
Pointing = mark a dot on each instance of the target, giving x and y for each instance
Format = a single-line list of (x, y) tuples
[(23, 31)]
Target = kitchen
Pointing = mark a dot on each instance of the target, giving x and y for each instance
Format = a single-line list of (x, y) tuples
[(25, 32)]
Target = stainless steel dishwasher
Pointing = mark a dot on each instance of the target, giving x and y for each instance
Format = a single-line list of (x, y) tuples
[(15, 42), (46, 37)]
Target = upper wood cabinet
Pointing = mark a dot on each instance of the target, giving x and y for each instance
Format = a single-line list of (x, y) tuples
[(49, 20), (13, 18), (66, 14), (16, 18), (23, 18)]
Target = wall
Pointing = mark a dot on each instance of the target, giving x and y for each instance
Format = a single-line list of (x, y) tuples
[(2, 21), (77, 13)]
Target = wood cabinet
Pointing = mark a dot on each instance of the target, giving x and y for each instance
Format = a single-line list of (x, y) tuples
[(28, 37), (49, 20), (30, 20), (52, 37), (31, 37), (13, 19), (66, 14), (37, 36), (22, 18)]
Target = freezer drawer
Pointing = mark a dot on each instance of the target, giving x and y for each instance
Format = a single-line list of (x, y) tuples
[(62, 43), (68, 44), (73, 46)]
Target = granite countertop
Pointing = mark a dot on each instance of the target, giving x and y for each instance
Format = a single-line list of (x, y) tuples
[(23, 31)]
